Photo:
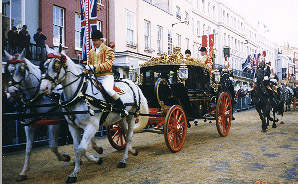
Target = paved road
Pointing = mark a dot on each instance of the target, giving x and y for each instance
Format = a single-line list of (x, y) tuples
[(245, 156)]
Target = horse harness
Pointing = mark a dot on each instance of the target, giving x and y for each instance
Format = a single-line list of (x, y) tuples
[(103, 106)]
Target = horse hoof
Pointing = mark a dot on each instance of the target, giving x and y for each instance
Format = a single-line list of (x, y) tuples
[(99, 150), (99, 162), (21, 178), (121, 165), (66, 158), (71, 179), (274, 126), (264, 130), (282, 122), (135, 153)]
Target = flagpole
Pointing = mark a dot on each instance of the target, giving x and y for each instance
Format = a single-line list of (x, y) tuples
[(87, 31)]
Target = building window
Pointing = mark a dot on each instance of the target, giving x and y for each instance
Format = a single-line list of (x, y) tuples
[(197, 4), (78, 43), (99, 25), (187, 43), (213, 11), (130, 28), (170, 43), (147, 35), (203, 3), (186, 16), (159, 39), (209, 9), (179, 40), (58, 25), (193, 26), (198, 27), (178, 15)]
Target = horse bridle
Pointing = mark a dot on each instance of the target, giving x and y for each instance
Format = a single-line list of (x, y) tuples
[(19, 84), (59, 63)]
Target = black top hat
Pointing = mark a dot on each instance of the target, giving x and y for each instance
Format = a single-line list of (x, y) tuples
[(187, 51), (96, 35), (203, 49)]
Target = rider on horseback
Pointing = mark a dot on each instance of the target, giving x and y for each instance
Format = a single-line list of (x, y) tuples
[(101, 59)]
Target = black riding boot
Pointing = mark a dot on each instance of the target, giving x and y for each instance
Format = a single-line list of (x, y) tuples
[(119, 104)]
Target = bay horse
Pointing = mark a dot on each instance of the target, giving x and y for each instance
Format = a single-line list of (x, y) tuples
[(25, 79), (82, 94)]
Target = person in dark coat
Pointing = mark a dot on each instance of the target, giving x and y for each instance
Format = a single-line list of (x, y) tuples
[(13, 38), (24, 37), (40, 39)]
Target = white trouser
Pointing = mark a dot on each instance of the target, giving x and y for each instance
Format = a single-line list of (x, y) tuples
[(107, 83)]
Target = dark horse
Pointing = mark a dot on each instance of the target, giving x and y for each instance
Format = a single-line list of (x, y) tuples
[(265, 100)]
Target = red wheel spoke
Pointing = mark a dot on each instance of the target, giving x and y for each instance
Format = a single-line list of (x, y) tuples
[(115, 134)]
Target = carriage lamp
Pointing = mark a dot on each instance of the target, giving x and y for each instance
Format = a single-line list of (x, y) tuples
[(183, 72), (132, 74), (216, 76)]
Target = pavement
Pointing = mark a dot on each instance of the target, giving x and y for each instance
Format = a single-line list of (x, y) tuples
[(246, 155)]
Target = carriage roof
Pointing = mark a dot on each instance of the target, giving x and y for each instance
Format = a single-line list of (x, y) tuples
[(177, 58)]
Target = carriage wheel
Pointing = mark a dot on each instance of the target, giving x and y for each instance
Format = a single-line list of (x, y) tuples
[(224, 114), (116, 136), (175, 128)]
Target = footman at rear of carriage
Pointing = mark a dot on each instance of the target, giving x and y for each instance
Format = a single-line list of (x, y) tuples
[(101, 59)]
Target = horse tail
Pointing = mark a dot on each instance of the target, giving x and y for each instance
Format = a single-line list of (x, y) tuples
[(144, 109)]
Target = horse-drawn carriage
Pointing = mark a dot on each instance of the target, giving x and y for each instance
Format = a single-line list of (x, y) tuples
[(179, 90)]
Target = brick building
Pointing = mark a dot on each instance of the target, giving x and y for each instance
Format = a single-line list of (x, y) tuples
[(60, 19)]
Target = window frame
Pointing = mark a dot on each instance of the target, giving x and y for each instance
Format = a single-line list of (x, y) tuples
[(147, 35), (57, 25), (78, 18)]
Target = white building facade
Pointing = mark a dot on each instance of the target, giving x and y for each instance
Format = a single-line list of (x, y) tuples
[(143, 28)]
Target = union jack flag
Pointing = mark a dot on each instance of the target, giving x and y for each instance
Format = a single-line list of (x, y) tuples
[(88, 25)]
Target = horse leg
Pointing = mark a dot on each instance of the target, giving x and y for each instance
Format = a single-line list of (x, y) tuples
[(29, 130), (274, 120), (264, 126), (128, 147), (53, 137), (75, 133), (80, 149), (98, 149)]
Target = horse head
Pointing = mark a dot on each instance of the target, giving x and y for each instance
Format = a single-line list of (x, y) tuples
[(57, 66), (23, 75)]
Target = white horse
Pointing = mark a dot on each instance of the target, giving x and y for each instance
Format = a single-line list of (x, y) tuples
[(26, 78), (80, 94)]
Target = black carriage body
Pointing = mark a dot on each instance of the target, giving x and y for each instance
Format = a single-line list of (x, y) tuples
[(161, 85)]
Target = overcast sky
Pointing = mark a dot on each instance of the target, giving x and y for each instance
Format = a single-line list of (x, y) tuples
[(281, 16)]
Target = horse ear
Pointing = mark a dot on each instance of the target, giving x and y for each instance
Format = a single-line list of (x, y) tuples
[(8, 55), (22, 55)]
